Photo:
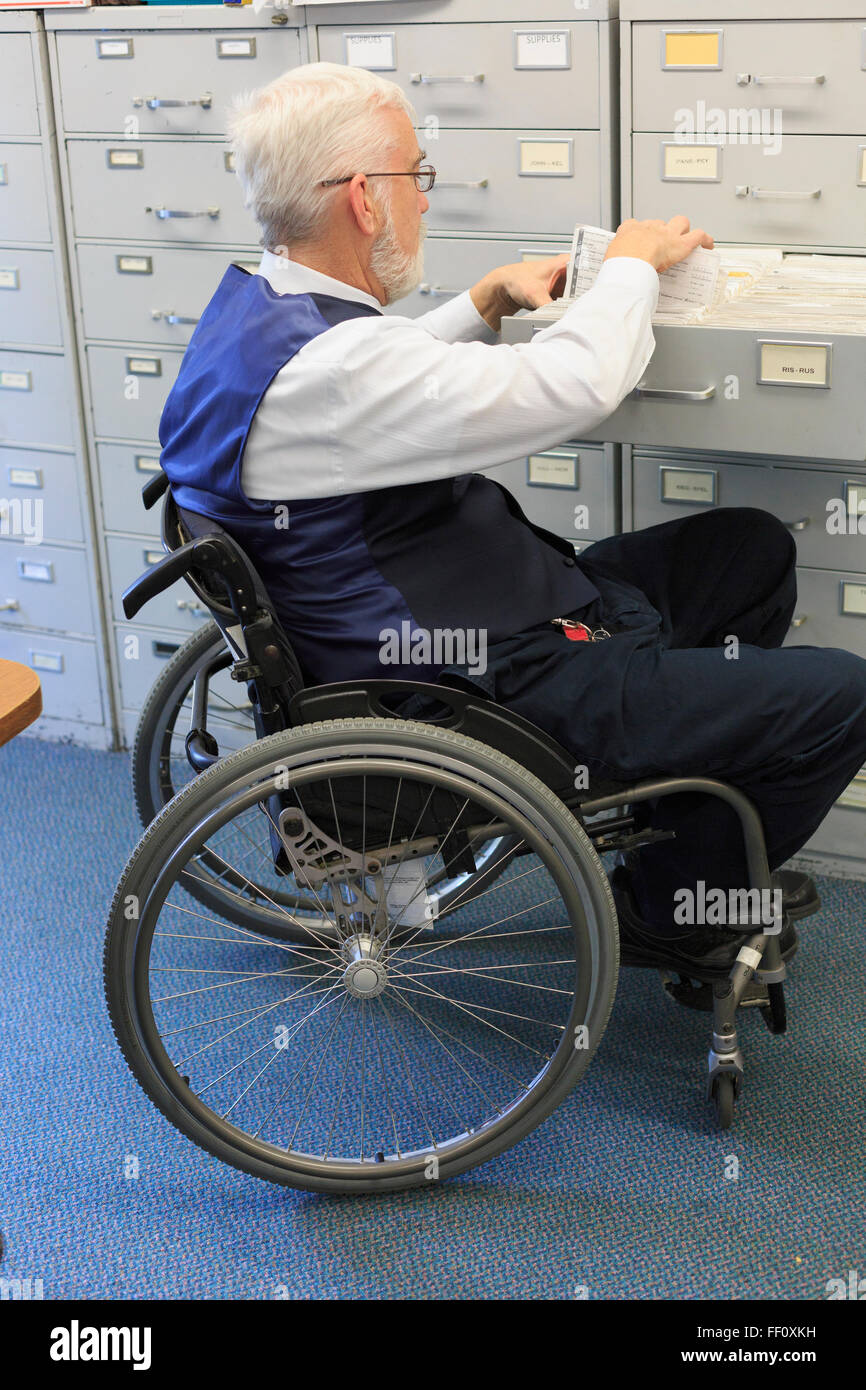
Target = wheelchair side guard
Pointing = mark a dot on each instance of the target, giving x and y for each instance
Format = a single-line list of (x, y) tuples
[(466, 713)]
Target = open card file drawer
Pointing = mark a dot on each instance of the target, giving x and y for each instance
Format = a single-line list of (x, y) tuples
[(741, 390)]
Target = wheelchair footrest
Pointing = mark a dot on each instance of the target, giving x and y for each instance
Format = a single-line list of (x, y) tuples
[(692, 994)]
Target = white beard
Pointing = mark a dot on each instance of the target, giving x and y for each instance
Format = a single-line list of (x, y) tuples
[(397, 272)]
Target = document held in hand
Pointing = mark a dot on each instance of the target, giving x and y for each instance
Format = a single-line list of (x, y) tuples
[(691, 284)]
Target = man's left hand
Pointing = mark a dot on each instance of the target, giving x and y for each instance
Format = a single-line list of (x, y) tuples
[(524, 285)]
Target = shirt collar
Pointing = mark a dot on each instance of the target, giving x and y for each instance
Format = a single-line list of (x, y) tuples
[(291, 277)]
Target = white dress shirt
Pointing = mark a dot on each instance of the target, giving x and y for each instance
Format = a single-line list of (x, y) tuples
[(382, 401)]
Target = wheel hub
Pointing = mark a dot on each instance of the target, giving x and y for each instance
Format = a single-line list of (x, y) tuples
[(366, 974)]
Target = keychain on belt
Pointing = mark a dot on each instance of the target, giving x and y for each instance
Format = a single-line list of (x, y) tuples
[(579, 632)]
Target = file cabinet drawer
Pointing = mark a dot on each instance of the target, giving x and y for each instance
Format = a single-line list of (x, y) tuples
[(19, 113), (23, 194), (124, 469), (35, 400), (455, 264), (149, 294), (39, 495), (164, 191), (811, 71), (823, 509), (29, 298), (480, 186), (45, 586), (177, 608), (68, 673), (569, 490), (842, 833), (481, 74), (830, 612), (128, 389), (695, 371), (805, 195), (169, 83)]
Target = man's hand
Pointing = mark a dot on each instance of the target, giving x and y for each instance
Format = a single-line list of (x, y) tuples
[(524, 285), (663, 244)]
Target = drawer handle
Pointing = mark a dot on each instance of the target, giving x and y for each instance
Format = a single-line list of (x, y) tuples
[(155, 103), (744, 190), (665, 393), (798, 621), (164, 213), (436, 291), (764, 80), (170, 316), (427, 78), (10, 605), (798, 525), (462, 183), (188, 605)]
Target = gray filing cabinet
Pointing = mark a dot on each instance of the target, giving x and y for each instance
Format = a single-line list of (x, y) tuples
[(750, 118), (50, 610), (517, 109), (154, 217)]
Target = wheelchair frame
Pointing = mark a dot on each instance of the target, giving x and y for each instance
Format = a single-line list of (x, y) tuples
[(224, 580)]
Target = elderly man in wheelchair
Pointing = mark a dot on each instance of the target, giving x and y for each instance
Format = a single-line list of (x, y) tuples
[(367, 940)]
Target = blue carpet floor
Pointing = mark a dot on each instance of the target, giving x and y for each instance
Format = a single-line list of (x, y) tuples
[(622, 1193)]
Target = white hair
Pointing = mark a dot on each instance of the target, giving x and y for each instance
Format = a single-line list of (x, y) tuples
[(318, 121)]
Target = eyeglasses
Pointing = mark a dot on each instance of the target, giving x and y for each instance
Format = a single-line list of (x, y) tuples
[(425, 177)]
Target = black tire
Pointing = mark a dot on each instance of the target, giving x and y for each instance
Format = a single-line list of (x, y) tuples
[(724, 1095), (378, 748), (160, 770)]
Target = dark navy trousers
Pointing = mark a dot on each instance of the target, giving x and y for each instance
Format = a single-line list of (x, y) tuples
[(694, 680)]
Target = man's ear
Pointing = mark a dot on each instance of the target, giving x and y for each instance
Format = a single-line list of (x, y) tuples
[(361, 203)]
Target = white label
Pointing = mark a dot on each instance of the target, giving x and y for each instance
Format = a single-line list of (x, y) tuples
[(688, 485), (543, 254), (795, 364), (28, 569), (9, 280), (25, 477), (552, 470), (691, 162), (236, 48), (371, 51), (145, 464), (854, 599), (855, 496), (135, 265), (144, 366), (862, 175), (541, 48), (114, 48), (16, 381), (46, 661), (409, 904), (126, 159), (545, 157), (3, 178)]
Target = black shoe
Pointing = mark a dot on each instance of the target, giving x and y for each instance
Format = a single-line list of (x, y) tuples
[(702, 953), (799, 894)]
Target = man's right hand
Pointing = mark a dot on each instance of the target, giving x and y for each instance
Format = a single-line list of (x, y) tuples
[(663, 244)]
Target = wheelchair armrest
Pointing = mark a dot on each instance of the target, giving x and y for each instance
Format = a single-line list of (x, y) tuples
[(153, 490), (162, 575)]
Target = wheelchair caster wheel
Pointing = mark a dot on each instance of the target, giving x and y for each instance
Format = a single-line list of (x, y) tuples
[(774, 1012), (724, 1094)]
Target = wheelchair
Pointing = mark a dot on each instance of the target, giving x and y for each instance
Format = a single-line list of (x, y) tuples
[(366, 941)]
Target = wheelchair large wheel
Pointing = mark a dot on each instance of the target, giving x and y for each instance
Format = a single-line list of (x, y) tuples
[(160, 769), (381, 1056)]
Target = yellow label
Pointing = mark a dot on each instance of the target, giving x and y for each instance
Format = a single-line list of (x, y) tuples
[(685, 50), (691, 161), (863, 165), (854, 796), (798, 364), (545, 157)]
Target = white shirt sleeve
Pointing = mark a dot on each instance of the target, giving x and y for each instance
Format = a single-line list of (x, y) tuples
[(381, 402)]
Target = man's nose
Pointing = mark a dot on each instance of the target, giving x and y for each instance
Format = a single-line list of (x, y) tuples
[(424, 202)]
